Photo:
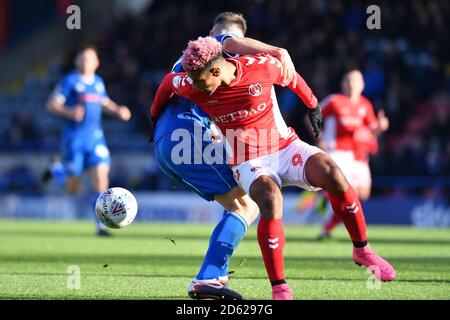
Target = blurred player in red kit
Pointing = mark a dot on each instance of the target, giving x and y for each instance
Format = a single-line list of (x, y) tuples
[(267, 155), (350, 135)]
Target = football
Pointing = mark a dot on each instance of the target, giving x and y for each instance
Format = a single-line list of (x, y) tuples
[(116, 207)]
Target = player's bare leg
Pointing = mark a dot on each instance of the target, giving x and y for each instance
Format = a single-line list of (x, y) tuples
[(73, 185), (321, 171), (267, 194), (236, 200), (100, 181), (364, 192), (100, 177)]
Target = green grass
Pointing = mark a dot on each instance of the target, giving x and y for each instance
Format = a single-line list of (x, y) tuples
[(142, 263)]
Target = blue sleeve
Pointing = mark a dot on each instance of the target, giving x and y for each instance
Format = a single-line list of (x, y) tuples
[(64, 88), (221, 38), (178, 66), (101, 89)]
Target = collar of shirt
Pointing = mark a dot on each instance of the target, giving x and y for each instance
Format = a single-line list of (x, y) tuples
[(238, 66)]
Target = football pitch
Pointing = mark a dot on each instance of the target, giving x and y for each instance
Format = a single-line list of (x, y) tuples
[(41, 260)]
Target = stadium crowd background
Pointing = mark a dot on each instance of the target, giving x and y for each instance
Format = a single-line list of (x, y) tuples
[(406, 67)]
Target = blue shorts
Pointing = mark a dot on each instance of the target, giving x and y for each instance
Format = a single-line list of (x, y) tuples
[(207, 180), (80, 153)]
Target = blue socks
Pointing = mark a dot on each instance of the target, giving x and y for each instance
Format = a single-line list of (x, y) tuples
[(223, 242), (58, 172)]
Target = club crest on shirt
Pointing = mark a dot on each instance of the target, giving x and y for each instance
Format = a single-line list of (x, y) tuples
[(79, 87), (255, 89)]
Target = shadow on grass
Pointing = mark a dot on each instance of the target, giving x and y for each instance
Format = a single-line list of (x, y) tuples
[(158, 235), (189, 277), (166, 262)]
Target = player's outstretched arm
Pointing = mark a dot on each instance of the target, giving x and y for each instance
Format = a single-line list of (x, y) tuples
[(381, 124), (56, 103), (122, 112), (314, 113), (165, 91), (251, 46), (56, 106), (302, 90)]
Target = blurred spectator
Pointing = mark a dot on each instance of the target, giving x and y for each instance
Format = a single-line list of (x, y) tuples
[(19, 178), (22, 133)]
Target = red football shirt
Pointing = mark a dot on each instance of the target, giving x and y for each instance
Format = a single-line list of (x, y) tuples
[(245, 110), (365, 143), (342, 117)]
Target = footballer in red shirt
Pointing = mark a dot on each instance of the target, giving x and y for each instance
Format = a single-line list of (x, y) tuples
[(266, 154), (349, 135)]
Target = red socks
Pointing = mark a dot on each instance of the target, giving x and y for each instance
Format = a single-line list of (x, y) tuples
[(348, 208), (332, 223), (271, 240)]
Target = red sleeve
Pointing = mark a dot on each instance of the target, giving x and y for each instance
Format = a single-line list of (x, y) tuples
[(370, 119), (165, 91), (327, 106), (302, 90)]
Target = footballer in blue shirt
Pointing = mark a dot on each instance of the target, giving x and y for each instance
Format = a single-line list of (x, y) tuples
[(80, 97)]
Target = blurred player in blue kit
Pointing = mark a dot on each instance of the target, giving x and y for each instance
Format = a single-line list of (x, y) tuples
[(79, 98)]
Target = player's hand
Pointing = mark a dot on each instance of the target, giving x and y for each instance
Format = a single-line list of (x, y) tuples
[(215, 134), (124, 113), (77, 113), (289, 74), (315, 117), (383, 121), (215, 137)]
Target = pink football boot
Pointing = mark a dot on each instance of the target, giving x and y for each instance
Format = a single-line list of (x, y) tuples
[(380, 268), (282, 292)]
